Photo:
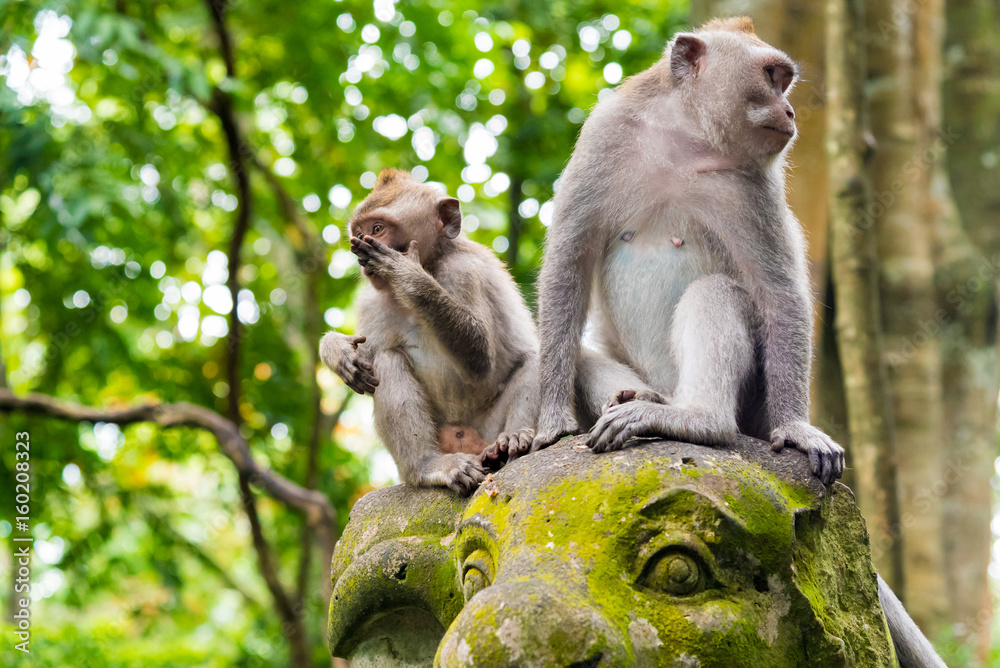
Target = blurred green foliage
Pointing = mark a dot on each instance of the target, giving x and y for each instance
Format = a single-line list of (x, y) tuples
[(116, 199)]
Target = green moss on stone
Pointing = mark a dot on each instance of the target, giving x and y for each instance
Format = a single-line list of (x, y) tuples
[(783, 566)]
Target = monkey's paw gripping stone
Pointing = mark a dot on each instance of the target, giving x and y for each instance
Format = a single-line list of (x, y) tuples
[(663, 554)]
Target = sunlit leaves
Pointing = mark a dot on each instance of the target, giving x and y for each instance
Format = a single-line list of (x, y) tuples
[(118, 200)]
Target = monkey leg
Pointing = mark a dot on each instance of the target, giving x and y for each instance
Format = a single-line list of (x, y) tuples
[(601, 380), (405, 423), (712, 343), (514, 415)]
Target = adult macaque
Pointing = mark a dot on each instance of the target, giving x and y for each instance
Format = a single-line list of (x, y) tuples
[(449, 351), (671, 224)]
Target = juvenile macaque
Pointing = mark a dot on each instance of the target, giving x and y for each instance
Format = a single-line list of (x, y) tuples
[(449, 349), (671, 225)]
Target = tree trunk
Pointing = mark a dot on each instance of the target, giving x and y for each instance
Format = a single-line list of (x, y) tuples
[(968, 287), (855, 279), (909, 301)]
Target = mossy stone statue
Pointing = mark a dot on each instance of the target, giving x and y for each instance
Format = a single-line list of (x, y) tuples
[(662, 554)]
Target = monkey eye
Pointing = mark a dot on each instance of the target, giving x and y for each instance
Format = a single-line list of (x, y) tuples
[(377, 229), (779, 76)]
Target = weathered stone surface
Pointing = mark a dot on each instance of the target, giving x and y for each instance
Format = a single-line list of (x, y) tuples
[(663, 554)]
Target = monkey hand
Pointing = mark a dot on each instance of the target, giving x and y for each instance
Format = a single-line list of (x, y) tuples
[(413, 253), (553, 424), (379, 261), (825, 456), (625, 396), (458, 471), (340, 353), (508, 446)]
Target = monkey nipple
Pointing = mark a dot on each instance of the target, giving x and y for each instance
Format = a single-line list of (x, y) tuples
[(677, 241)]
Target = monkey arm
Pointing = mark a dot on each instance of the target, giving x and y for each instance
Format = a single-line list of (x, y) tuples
[(457, 316), (787, 356), (590, 201), (781, 290), (340, 352), (769, 252), (521, 397), (456, 311), (563, 299), (787, 336), (515, 414)]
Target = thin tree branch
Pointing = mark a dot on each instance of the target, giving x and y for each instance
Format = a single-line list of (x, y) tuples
[(222, 106), (314, 505), (326, 541), (515, 221), (217, 8), (269, 568), (308, 248)]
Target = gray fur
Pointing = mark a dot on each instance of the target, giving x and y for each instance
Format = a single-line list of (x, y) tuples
[(449, 343), (672, 234), (913, 650)]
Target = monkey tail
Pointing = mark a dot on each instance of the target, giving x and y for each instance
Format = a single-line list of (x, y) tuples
[(913, 650)]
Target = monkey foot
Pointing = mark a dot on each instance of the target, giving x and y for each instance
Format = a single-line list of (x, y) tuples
[(552, 426), (623, 422), (508, 446), (825, 456), (458, 471)]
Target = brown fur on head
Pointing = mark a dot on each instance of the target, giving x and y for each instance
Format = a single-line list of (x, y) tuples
[(730, 23), (400, 210), (736, 24), (733, 23), (388, 187)]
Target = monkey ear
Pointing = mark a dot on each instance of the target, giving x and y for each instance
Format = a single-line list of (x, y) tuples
[(450, 213), (686, 55)]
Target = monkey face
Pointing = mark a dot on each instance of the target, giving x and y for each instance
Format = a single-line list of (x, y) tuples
[(400, 211), (739, 87), (768, 111), (384, 230)]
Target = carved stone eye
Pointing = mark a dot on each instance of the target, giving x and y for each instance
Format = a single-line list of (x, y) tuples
[(675, 573), (476, 573), (474, 582)]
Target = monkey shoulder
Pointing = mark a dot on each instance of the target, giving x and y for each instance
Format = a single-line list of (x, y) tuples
[(611, 125), (467, 268), (479, 276)]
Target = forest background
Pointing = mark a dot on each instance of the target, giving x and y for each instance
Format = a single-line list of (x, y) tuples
[(174, 182)]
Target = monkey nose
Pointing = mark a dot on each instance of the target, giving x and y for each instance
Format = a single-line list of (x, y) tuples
[(789, 112), (523, 623)]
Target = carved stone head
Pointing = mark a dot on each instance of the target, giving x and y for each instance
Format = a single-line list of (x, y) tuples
[(663, 554)]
